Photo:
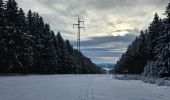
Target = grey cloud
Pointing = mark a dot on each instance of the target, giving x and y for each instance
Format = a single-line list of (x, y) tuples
[(106, 46), (105, 4), (98, 15), (107, 39), (64, 12), (104, 52)]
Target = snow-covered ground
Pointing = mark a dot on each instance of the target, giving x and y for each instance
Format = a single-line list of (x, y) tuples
[(78, 87)]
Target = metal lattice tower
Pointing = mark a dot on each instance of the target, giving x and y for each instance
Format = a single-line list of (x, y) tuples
[(78, 64)]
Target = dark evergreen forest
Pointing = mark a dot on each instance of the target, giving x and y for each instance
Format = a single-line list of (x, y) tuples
[(29, 46), (150, 52)]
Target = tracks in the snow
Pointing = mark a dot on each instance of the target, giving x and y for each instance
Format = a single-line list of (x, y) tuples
[(87, 94)]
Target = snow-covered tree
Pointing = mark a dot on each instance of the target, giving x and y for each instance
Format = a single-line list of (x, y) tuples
[(11, 14), (154, 31), (162, 51), (3, 48), (27, 45), (151, 50), (62, 53)]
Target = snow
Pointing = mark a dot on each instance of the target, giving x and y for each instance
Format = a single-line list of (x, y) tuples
[(158, 81), (152, 80), (78, 87)]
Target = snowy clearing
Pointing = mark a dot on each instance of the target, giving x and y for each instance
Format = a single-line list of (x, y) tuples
[(78, 87)]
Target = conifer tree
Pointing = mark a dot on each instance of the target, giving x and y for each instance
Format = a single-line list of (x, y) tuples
[(71, 59), (62, 53), (49, 54), (167, 12), (154, 31), (11, 14), (3, 48), (154, 43), (29, 22), (23, 48), (27, 45)]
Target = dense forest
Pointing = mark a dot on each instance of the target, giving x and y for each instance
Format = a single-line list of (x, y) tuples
[(28, 46), (150, 52)]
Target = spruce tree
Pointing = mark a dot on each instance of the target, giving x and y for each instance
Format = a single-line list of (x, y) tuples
[(162, 50), (154, 31), (49, 54), (29, 22), (27, 45), (154, 43), (3, 48), (38, 64), (24, 50), (71, 60), (167, 12), (62, 54), (11, 14)]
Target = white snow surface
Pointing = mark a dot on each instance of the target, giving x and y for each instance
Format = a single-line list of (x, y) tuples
[(78, 87)]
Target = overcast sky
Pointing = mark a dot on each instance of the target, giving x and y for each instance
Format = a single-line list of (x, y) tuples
[(111, 25)]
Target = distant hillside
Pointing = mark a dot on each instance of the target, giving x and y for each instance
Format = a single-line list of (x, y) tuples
[(106, 66)]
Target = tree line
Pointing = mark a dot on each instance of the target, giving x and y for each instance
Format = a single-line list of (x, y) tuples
[(150, 52), (28, 45)]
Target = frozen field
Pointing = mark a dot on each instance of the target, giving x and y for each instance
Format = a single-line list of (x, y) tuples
[(78, 87)]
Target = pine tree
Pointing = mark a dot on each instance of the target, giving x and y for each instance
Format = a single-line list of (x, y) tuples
[(29, 22), (3, 48), (1, 15), (62, 54), (49, 54), (71, 59), (27, 45), (162, 52), (154, 43), (11, 14), (154, 31), (167, 20), (167, 12), (21, 22), (135, 58), (23, 49), (38, 40)]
